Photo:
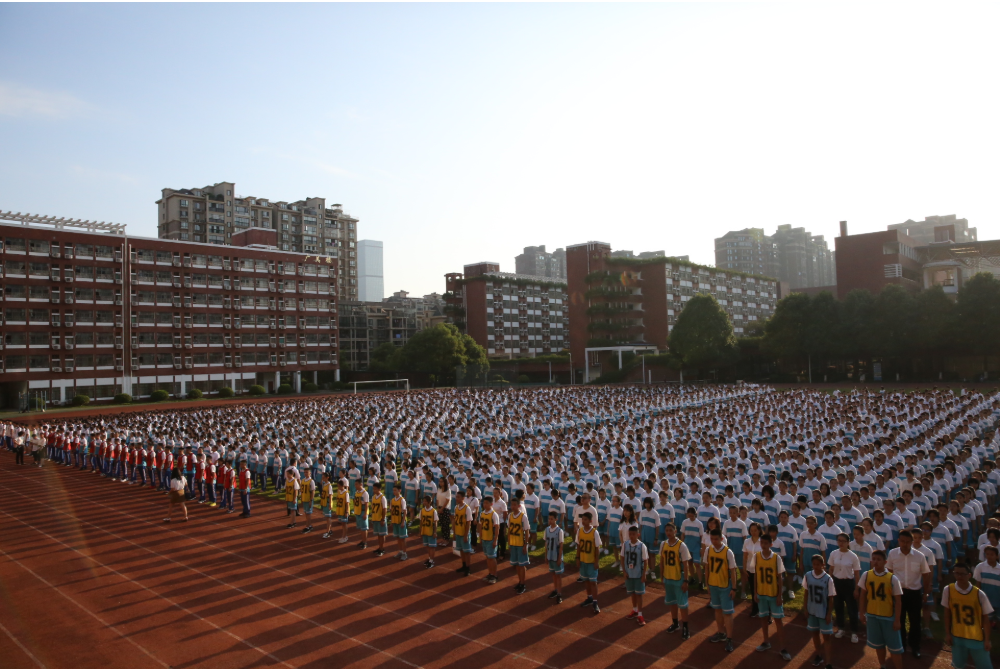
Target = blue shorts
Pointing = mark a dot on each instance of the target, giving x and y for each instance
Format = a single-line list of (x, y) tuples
[(307, 507), (613, 534), (719, 599), (518, 556), (462, 544), (635, 586), (327, 512), (556, 567), (880, 634), (674, 595), (489, 549), (768, 606), (814, 623), (361, 522), (400, 530), (430, 541), (343, 518), (589, 573), (963, 648), (379, 528)]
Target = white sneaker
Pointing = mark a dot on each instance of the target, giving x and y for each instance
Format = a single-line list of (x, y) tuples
[(840, 634), (792, 595), (854, 638), (403, 557), (615, 565), (934, 616), (343, 540)]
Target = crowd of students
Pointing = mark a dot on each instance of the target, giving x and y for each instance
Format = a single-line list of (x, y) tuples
[(878, 506)]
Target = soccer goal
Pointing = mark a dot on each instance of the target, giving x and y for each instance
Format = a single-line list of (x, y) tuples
[(404, 380)]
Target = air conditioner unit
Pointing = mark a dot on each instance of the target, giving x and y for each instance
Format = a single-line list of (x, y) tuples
[(119, 367), (188, 365), (54, 299), (56, 369), (177, 284), (69, 369), (69, 323), (187, 345), (54, 253), (229, 365), (281, 363), (118, 300), (177, 366), (118, 280), (119, 346)]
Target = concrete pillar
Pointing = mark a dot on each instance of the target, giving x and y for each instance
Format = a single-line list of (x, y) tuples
[(315, 378), (297, 381), (278, 380), (337, 375)]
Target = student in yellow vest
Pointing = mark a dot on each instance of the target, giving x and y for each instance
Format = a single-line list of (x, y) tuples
[(720, 568), (880, 608), (588, 545), (428, 523), (327, 502), (361, 499), (377, 517), (462, 519), (518, 536), (398, 520), (967, 625), (342, 508), (307, 491), (674, 561), (292, 493), (488, 527), (767, 568)]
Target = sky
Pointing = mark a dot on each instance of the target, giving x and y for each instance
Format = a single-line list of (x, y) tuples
[(459, 133)]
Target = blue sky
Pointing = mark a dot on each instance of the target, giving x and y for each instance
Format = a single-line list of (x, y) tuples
[(459, 133)]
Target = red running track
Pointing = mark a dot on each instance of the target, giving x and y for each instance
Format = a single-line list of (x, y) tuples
[(91, 577)]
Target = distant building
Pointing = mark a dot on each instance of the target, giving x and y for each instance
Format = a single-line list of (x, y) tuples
[(509, 314), (370, 281), (945, 228), (794, 256), (628, 254), (367, 325), (537, 261), (215, 214)]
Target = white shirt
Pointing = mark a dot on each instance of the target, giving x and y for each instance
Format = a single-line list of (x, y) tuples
[(985, 603), (908, 568), (844, 564)]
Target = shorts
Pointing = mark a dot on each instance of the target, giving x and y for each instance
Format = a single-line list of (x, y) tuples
[(307, 508), (361, 522), (880, 634), (963, 648), (400, 530), (518, 555), (327, 512), (489, 549), (462, 543), (719, 599), (769, 606), (379, 528), (613, 534), (343, 518), (635, 586), (674, 595), (556, 567), (814, 623), (430, 541), (589, 572), (292, 505)]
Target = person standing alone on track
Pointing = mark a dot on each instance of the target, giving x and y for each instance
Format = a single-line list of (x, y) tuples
[(177, 484)]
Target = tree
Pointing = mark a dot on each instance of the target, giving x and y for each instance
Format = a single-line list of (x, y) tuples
[(977, 314), (439, 350), (894, 319), (384, 359), (855, 334), (786, 332), (934, 324), (703, 335)]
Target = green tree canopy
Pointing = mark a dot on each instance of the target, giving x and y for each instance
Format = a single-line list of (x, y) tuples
[(977, 315), (439, 350), (703, 335), (787, 332)]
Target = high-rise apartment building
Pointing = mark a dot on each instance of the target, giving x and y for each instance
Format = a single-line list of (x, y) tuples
[(792, 255), (370, 281), (214, 214), (540, 263), (87, 309), (508, 314), (620, 301), (945, 228), (364, 326)]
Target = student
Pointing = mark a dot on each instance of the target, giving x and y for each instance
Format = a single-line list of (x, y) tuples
[(377, 517), (812, 542), (517, 539), (307, 490), (720, 569), (398, 518), (553, 538), (967, 625), (845, 569), (767, 568), (986, 574), (246, 480), (361, 501), (177, 483), (487, 527), (428, 522), (674, 562), (789, 536), (291, 494), (462, 519), (635, 560), (649, 526), (691, 534), (327, 503), (818, 592), (613, 522), (342, 508), (588, 544), (880, 610), (751, 546)]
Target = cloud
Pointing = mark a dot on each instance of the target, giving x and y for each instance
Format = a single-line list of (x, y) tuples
[(21, 101)]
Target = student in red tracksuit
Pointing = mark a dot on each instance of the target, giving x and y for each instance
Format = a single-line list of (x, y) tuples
[(142, 463), (229, 485), (200, 478), (245, 484), (210, 476)]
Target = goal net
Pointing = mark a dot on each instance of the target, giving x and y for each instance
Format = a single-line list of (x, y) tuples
[(388, 384)]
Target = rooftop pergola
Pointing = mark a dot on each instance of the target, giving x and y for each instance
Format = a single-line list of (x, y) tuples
[(61, 223)]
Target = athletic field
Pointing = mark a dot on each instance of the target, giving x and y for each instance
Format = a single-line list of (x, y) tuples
[(91, 577)]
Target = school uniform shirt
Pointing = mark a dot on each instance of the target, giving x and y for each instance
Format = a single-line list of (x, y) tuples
[(966, 624), (844, 564), (987, 576), (671, 558), (632, 558), (489, 521), (554, 537)]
